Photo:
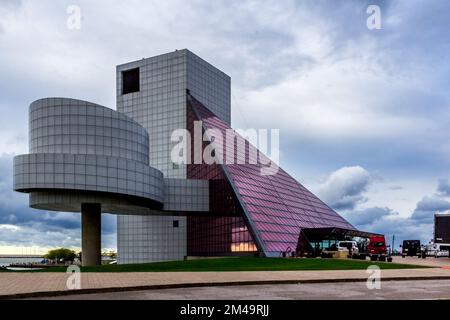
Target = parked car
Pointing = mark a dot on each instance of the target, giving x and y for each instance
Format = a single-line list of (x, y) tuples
[(438, 250), (351, 246)]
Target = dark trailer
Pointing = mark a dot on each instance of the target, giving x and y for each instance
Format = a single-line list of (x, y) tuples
[(442, 228), (411, 248)]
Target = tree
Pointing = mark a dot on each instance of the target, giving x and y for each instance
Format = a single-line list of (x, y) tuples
[(110, 254), (61, 253)]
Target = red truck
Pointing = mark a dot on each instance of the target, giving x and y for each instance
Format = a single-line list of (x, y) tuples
[(376, 248)]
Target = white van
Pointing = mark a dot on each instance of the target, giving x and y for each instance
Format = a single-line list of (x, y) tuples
[(438, 249), (351, 246)]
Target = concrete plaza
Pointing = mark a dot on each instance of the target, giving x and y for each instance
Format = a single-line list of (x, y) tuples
[(28, 284)]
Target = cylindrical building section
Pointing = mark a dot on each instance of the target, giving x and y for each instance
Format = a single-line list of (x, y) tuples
[(86, 157), (77, 174), (61, 125), (81, 148)]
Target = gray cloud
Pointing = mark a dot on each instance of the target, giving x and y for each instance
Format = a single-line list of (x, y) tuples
[(25, 226), (396, 187), (37, 235), (345, 187), (428, 206), (369, 216), (10, 4), (347, 94), (389, 223), (417, 226), (443, 187)]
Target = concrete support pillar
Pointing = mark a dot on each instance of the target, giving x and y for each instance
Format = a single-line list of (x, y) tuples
[(91, 222)]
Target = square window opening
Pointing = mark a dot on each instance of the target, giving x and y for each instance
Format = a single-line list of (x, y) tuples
[(130, 81)]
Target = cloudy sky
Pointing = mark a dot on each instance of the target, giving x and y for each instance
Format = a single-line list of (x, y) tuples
[(363, 114)]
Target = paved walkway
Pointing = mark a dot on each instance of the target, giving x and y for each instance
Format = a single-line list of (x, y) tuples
[(27, 284)]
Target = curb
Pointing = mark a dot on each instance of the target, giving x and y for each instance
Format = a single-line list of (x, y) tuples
[(46, 294)]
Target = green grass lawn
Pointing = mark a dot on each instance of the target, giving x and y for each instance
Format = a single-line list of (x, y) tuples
[(240, 264)]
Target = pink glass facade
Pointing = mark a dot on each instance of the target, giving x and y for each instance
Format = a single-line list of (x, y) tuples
[(271, 210), (224, 230)]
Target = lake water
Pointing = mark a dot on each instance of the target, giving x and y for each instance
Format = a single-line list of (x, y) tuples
[(4, 262)]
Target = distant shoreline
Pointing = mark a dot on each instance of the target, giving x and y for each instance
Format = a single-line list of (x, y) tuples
[(7, 260)]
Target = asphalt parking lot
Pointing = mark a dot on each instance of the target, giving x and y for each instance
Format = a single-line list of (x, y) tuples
[(429, 261)]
